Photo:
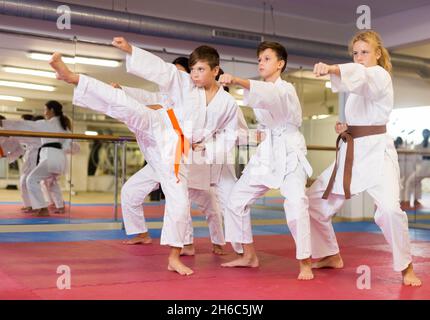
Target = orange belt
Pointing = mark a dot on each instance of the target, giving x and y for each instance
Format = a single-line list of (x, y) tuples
[(348, 136), (183, 144)]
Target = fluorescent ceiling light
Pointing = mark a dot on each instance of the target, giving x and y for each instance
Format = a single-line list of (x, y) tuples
[(328, 85), (91, 133), (11, 98), (26, 85), (240, 91), (31, 72), (76, 59), (320, 116)]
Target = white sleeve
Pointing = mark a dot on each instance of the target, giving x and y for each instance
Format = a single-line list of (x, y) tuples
[(96, 95), (24, 125), (152, 68), (371, 82), (143, 96), (266, 95)]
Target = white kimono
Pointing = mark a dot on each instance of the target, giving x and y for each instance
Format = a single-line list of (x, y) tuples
[(279, 162), (157, 140), (209, 185), (217, 119), (375, 167), (32, 146), (52, 161), (422, 171)]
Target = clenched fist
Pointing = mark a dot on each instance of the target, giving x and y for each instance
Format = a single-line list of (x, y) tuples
[(340, 127), (322, 69), (226, 79), (122, 44)]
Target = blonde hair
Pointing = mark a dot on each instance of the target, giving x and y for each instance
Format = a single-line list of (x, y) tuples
[(372, 37)]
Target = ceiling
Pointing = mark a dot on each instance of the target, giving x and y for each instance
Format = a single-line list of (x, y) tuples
[(337, 11)]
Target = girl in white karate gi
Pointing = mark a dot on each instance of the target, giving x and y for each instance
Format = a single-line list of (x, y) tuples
[(374, 167), (279, 162), (51, 159)]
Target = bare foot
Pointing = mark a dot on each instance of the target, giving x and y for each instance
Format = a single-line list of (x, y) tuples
[(334, 261), (26, 209), (177, 266), (218, 249), (63, 73), (188, 250), (139, 239), (42, 212), (305, 270), (249, 261), (410, 278)]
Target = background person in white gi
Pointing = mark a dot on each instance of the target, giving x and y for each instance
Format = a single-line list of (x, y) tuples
[(279, 162), (375, 166), (29, 159), (413, 182), (51, 160)]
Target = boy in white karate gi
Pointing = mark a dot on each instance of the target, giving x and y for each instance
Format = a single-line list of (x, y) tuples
[(279, 162), (367, 161), (208, 185), (214, 129), (158, 131)]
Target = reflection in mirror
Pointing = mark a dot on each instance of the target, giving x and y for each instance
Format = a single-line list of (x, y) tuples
[(35, 172)]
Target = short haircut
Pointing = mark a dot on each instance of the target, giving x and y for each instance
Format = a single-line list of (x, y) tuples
[(278, 48), (205, 53), (182, 61)]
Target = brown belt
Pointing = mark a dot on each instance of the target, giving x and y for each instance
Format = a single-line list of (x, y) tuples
[(348, 136)]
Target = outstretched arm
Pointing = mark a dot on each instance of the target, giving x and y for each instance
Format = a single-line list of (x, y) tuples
[(371, 82), (152, 68)]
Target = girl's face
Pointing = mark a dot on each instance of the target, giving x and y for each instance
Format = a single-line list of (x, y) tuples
[(364, 53), (268, 63), (202, 74), (48, 113)]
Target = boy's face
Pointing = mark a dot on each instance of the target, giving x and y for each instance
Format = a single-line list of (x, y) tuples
[(268, 63), (202, 74)]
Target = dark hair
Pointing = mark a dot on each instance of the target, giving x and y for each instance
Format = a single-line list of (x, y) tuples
[(2, 117), (279, 49), (221, 72), (28, 117), (398, 142), (39, 117), (205, 53), (182, 61), (58, 112)]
